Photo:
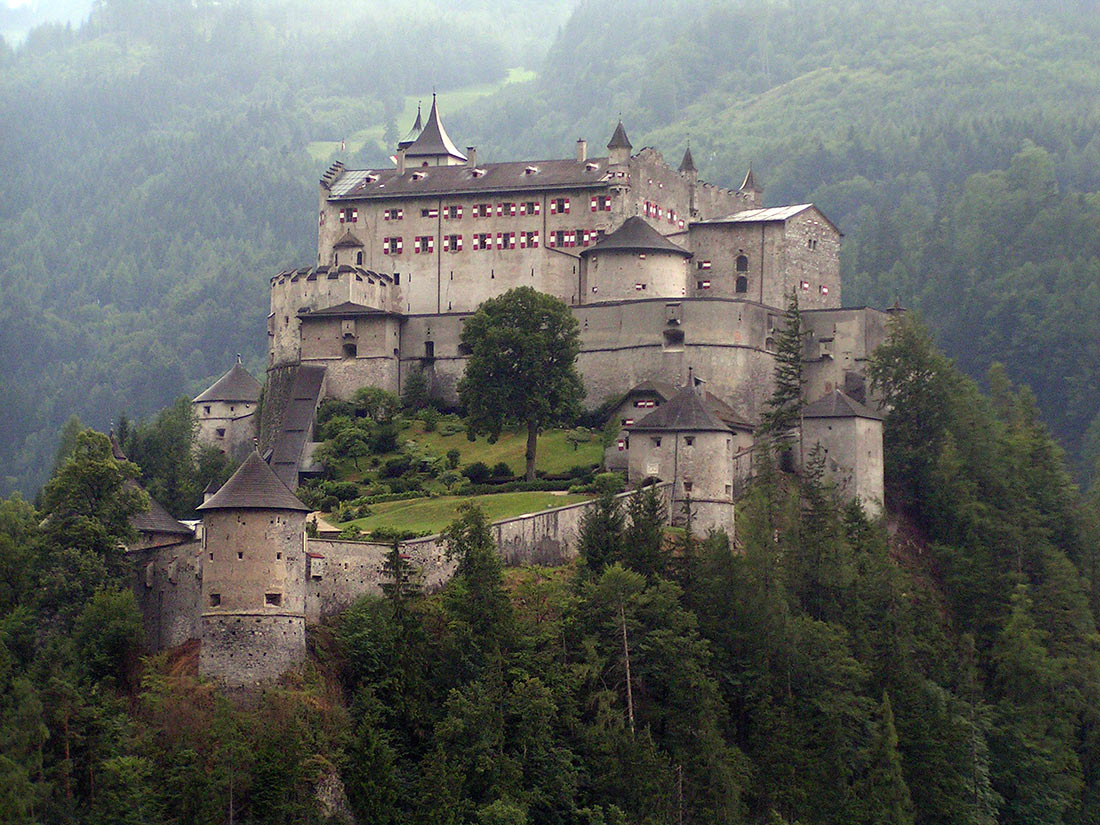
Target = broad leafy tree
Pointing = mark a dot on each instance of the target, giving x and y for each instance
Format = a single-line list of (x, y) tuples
[(523, 346)]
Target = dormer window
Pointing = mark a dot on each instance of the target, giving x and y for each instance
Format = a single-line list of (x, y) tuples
[(419, 175), (478, 173), (591, 167), (531, 170)]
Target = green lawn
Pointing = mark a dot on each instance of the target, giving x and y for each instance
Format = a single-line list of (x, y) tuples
[(554, 454), (433, 514)]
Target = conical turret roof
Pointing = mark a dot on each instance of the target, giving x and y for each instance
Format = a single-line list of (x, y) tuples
[(684, 412), (619, 140), (236, 385), (688, 163), (254, 487), (433, 140), (636, 235), (750, 184), (414, 132)]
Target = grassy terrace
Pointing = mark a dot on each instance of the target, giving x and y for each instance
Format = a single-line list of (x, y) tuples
[(433, 514), (555, 455)]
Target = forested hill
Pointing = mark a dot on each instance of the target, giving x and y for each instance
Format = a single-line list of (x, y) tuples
[(160, 161), (157, 169), (956, 145)]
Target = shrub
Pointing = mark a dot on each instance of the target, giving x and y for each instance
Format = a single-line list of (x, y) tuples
[(501, 470), (478, 472), (395, 467), (450, 426), (384, 438), (453, 456), (430, 417), (342, 490), (376, 404)]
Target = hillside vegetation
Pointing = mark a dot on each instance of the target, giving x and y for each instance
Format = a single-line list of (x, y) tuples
[(939, 669), (160, 163)]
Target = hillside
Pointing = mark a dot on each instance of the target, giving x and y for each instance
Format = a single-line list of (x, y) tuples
[(937, 668), (157, 171)]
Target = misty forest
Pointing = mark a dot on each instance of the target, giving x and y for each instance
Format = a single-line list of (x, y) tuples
[(939, 665)]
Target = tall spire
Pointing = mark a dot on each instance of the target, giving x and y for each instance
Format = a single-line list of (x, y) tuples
[(433, 141)]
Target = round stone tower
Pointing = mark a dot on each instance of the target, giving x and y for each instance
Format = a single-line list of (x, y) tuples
[(253, 578)]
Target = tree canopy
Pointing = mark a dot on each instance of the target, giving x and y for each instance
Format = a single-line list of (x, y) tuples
[(521, 369)]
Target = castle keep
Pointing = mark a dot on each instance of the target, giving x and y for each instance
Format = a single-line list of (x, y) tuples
[(679, 289)]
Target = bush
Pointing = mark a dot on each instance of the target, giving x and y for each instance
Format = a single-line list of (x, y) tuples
[(332, 408), (451, 478), (396, 467), (376, 404), (342, 490), (453, 456), (329, 503), (384, 438), (478, 472), (430, 417), (501, 470), (451, 426)]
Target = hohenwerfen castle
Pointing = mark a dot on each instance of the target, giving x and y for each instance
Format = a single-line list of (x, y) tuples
[(679, 288)]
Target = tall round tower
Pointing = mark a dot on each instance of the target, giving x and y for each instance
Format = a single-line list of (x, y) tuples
[(253, 580)]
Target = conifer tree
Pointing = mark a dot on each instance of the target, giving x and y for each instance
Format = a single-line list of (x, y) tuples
[(782, 418), (600, 542), (643, 540), (886, 796)]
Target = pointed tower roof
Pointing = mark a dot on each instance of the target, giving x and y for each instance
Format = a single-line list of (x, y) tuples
[(750, 184), (688, 163), (838, 405), (236, 385), (347, 239), (684, 412), (635, 235), (433, 139), (254, 487), (414, 132), (619, 140)]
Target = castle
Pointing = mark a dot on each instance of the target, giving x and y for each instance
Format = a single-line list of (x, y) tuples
[(678, 287)]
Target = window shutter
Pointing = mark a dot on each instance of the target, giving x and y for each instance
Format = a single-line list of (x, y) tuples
[(567, 206), (553, 207), (458, 243), (595, 204), (536, 240)]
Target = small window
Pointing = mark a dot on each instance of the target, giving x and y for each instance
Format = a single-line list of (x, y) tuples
[(206, 410), (273, 599), (429, 349), (689, 440), (742, 263), (221, 432), (351, 350), (359, 258), (687, 486), (278, 556), (656, 442), (240, 556), (215, 599), (742, 285)]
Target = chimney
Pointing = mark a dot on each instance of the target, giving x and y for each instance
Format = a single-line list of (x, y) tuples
[(400, 161), (471, 156), (582, 150)]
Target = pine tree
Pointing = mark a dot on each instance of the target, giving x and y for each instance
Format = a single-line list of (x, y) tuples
[(886, 796), (600, 542), (643, 540), (782, 418)]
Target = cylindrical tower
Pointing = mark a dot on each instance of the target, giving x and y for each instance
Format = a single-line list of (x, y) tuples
[(253, 582)]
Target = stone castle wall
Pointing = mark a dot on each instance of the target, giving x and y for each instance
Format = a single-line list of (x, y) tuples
[(248, 645)]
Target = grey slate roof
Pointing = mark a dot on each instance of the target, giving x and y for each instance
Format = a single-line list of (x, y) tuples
[(638, 236), (619, 140), (347, 239), (254, 487), (688, 163), (433, 139), (724, 412), (293, 434), (348, 309), (236, 385), (838, 405), (665, 391), (750, 184), (511, 176), (158, 520), (414, 133), (684, 412)]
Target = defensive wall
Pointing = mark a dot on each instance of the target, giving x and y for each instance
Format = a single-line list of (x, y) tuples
[(169, 588)]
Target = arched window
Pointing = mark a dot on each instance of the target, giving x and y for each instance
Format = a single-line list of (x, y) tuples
[(359, 258), (742, 263), (742, 284)]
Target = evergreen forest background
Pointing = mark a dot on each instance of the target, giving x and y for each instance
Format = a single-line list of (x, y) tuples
[(160, 163)]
